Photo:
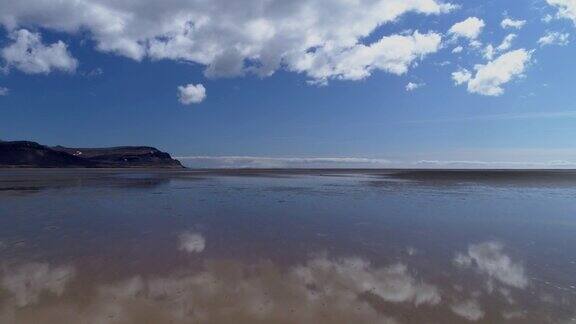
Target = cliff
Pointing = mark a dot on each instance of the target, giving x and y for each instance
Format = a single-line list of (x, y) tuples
[(33, 155)]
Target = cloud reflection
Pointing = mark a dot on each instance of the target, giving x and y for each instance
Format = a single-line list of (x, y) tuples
[(393, 283), (192, 242), (27, 282), (320, 290), (469, 309), (488, 258)]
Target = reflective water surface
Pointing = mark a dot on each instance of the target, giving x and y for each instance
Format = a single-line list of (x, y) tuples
[(106, 246)]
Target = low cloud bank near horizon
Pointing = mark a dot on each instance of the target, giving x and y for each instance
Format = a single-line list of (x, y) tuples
[(361, 163)]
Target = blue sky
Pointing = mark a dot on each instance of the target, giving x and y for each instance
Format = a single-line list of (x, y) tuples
[(263, 83)]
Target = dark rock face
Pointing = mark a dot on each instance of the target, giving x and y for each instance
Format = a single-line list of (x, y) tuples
[(34, 155)]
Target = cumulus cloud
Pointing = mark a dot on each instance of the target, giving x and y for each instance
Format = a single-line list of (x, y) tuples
[(394, 54), (489, 258), (469, 28), (475, 44), (511, 23), (191, 94), (566, 8), (506, 44), (554, 38), (458, 49), (192, 242), (489, 51), (490, 77), (315, 37), (4, 91), (28, 54), (469, 310), (411, 86), (461, 76)]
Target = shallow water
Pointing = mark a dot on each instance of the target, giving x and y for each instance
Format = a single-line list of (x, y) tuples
[(109, 246)]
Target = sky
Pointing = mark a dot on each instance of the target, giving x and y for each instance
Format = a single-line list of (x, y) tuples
[(302, 83)]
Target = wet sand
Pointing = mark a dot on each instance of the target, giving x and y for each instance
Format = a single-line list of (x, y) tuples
[(287, 246)]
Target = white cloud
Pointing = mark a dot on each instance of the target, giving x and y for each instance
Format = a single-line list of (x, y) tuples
[(506, 43), (547, 19), (490, 77), (28, 54), (232, 38), (469, 309), (488, 258), (191, 94), (475, 44), (192, 242), (411, 86), (458, 49), (511, 23), (554, 38), (4, 91), (394, 54), (469, 28), (490, 50), (566, 8), (461, 76)]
